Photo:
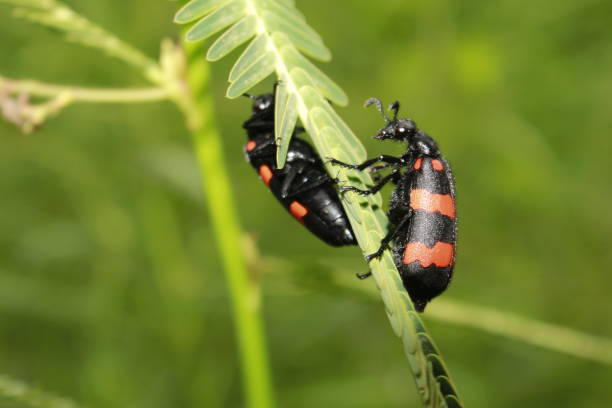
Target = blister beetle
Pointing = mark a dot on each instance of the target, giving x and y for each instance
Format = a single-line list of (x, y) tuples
[(423, 221), (303, 186)]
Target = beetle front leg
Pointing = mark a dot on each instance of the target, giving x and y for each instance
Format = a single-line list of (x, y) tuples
[(382, 158), (374, 189)]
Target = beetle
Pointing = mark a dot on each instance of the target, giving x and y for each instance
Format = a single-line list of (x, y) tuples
[(303, 186), (422, 216)]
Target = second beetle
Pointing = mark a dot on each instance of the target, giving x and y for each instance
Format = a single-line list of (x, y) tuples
[(422, 215)]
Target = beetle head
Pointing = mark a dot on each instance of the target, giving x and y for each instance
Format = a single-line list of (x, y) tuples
[(261, 103), (404, 130), (395, 129)]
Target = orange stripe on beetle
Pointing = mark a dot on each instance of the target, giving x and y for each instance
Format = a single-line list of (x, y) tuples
[(440, 255), (298, 211), (250, 146), (437, 165), (425, 201), (418, 163), (265, 172)]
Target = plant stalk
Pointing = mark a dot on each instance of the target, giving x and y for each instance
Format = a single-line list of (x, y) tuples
[(244, 289), (74, 93)]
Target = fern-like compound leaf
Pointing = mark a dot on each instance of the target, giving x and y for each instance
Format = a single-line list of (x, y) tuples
[(216, 21), (279, 34), (252, 75), (196, 9), (237, 35), (251, 54), (286, 115)]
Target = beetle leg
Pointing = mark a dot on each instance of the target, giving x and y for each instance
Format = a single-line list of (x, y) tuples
[(323, 179), (288, 181), (378, 169), (391, 160), (364, 275), (374, 189), (263, 150), (391, 235)]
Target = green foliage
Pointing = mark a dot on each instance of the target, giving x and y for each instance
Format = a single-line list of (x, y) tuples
[(172, 73), (278, 32)]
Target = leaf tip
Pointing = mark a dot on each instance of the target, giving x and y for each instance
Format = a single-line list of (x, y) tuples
[(341, 99), (324, 54), (183, 16), (231, 93), (190, 37), (177, 19), (212, 57), (280, 160)]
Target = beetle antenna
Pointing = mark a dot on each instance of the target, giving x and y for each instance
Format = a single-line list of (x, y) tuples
[(395, 108), (378, 103), (248, 95)]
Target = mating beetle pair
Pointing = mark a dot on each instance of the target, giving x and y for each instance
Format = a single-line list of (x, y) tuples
[(421, 211)]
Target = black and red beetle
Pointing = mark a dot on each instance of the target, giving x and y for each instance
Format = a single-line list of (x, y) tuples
[(422, 208), (303, 186)]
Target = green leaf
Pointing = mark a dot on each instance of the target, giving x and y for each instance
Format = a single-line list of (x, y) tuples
[(277, 25), (301, 35), (285, 109), (217, 21), (283, 10), (350, 145), (254, 74), (196, 9), (237, 35), (328, 87), (252, 53), (317, 78)]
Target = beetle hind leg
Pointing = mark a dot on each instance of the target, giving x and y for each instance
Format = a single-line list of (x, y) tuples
[(363, 276), (391, 235)]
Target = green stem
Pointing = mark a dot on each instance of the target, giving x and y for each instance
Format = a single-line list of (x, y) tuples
[(244, 291), (546, 335), (549, 336), (78, 29), (100, 95)]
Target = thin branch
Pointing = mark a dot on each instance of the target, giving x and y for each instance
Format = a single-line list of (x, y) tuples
[(54, 14), (244, 290), (549, 336), (96, 95)]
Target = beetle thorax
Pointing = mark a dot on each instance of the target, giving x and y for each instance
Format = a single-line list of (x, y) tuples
[(423, 145)]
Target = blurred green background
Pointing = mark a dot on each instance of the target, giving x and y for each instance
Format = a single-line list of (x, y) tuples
[(110, 286)]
